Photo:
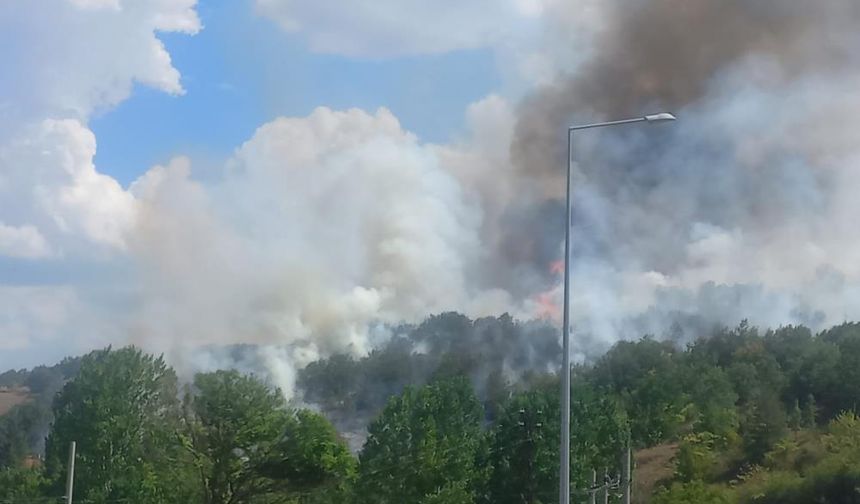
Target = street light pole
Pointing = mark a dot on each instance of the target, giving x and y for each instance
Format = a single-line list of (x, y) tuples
[(564, 476)]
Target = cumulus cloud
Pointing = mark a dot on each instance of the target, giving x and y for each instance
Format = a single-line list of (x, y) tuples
[(53, 188), (23, 241), (401, 28), (73, 57), (531, 40), (63, 61), (35, 315)]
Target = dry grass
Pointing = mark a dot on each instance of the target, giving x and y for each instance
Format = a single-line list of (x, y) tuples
[(653, 465), (10, 398)]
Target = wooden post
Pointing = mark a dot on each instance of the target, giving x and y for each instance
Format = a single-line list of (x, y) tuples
[(605, 486), (592, 492)]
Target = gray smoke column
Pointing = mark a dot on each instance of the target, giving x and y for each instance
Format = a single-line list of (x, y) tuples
[(744, 208)]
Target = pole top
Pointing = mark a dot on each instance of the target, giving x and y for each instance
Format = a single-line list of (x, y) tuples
[(662, 116)]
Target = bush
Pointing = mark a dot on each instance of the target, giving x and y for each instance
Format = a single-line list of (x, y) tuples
[(695, 492)]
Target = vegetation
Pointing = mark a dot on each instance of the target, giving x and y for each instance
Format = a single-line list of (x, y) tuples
[(453, 416)]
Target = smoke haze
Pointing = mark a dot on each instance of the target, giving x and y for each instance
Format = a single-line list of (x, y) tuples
[(321, 232), (740, 210)]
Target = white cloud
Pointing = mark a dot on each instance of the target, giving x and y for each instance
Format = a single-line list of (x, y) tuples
[(50, 182), (30, 316), (400, 28), (67, 59), (533, 40), (96, 4), (63, 60), (23, 241)]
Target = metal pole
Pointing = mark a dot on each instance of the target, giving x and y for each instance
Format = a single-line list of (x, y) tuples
[(564, 469), (626, 479), (70, 477), (564, 486)]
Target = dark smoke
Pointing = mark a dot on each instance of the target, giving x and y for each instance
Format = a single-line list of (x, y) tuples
[(713, 203), (664, 54)]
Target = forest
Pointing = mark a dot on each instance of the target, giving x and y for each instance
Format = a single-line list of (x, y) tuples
[(450, 411)]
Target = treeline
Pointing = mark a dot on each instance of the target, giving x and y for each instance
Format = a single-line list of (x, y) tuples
[(456, 416), (729, 401), (231, 438), (494, 353), (24, 427)]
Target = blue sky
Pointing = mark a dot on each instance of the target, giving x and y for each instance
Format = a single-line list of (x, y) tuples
[(242, 70), (95, 105)]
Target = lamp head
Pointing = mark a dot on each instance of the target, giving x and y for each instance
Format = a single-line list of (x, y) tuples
[(663, 116)]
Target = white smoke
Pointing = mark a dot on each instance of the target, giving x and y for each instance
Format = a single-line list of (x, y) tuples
[(320, 228)]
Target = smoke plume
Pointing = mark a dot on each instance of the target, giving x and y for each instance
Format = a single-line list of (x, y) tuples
[(742, 209), (322, 232), (327, 226)]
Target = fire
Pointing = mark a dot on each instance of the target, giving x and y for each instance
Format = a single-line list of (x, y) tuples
[(547, 307), (547, 304)]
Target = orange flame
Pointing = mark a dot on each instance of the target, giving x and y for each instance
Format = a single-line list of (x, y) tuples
[(547, 307), (556, 267)]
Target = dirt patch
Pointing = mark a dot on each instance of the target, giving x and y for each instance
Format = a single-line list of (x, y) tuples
[(11, 397), (652, 465)]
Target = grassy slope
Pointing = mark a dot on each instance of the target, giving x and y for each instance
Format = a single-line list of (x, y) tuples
[(12, 397), (653, 465)]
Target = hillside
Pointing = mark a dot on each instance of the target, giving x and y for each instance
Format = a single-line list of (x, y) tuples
[(653, 466), (11, 397), (740, 415)]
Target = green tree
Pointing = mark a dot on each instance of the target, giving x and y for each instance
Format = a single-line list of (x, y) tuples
[(249, 447), (694, 492), (795, 416), (524, 442), (313, 461), (22, 485), (451, 493), (645, 375), (819, 377), (122, 411), (809, 415), (720, 348), (696, 457), (424, 447), (762, 425), (17, 432), (524, 450), (713, 396)]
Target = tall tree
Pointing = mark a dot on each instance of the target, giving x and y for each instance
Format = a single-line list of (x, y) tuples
[(250, 447), (16, 432), (122, 412), (712, 394), (524, 455), (645, 375), (524, 450), (424, 447), (19, 484)]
